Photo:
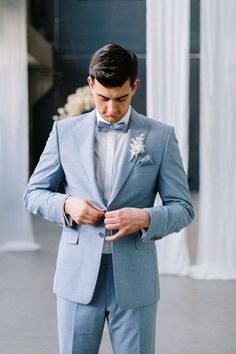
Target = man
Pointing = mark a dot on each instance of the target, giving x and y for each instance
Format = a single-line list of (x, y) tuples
[(112, 163)]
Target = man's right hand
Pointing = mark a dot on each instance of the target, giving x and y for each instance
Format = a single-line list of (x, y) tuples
[(83, 211)]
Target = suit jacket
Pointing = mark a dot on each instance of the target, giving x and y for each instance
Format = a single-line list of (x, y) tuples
[(68, 158)]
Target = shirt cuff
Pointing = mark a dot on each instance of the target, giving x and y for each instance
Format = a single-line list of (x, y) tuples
[(144, 230), (68, 218)]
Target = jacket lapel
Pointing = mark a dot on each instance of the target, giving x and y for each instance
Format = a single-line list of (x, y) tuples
[(137, 125), (84, 136)]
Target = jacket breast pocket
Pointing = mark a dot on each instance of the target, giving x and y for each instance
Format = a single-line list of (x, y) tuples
[(70, 236)]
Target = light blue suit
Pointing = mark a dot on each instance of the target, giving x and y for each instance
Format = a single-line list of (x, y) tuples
[(69, 157)]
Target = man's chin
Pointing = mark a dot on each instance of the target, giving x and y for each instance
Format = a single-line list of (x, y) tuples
[(112, 119)]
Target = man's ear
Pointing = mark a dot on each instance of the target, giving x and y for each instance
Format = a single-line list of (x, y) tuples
[(90, 82), (135, 85)]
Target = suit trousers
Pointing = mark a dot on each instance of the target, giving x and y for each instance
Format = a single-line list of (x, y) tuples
[(80, 327)]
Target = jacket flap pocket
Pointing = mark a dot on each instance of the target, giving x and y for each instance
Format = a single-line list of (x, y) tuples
[(70, 236), (140, 245)]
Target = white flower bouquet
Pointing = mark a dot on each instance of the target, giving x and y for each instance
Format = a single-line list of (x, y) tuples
[(77, 103)]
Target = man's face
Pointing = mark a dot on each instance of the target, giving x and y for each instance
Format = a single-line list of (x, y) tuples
[(112, 103)]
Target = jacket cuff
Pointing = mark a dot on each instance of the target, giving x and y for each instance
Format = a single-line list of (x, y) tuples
[(151, 233)]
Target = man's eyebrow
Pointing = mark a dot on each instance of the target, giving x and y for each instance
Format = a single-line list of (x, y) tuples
[(117, 98)]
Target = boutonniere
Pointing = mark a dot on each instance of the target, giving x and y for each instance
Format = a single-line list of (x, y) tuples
[(137, 147)]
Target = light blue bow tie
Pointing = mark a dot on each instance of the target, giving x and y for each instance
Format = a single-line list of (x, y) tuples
[(104, 127)]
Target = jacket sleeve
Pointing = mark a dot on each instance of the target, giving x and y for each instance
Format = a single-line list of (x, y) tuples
[(41, 197), (176, 211)]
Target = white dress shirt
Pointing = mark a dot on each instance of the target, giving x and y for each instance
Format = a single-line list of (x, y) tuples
[(109, 153)]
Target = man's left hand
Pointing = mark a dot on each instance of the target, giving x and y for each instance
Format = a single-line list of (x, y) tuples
[(126, 221)]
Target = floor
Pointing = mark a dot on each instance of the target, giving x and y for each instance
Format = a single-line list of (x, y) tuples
[(194, 316)]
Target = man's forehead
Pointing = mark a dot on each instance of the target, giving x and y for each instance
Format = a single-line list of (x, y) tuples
[(118, 91)]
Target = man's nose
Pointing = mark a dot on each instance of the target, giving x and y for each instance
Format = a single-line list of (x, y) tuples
[(111, 108)]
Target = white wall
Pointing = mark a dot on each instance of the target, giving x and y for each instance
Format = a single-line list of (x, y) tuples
[(15, 226)]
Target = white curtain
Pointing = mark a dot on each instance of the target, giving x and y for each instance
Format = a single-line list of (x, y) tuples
[(167, 98), (217, 229), (15, 226)]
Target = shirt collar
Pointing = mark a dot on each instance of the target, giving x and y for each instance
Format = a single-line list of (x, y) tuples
[(124, 119)]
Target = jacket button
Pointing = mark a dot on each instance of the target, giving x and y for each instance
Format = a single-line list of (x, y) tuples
[(101, 234)]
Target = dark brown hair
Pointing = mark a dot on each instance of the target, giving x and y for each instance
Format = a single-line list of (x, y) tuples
[(113, 65)]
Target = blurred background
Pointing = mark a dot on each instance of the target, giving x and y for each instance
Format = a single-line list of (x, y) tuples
[(187, 67)]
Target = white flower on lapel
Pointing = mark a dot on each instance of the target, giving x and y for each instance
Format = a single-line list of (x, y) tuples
[(137, 147)]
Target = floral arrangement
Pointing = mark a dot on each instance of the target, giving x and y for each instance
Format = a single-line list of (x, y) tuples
[(77, 103), (137, 147)]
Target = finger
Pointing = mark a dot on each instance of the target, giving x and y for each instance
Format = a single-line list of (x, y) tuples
[(92, 216), (112, 227), (110, 221), (94, 206), (85, 214), (111, 218), (111, 214), (84, 220), (94, 213), (115, 237)]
